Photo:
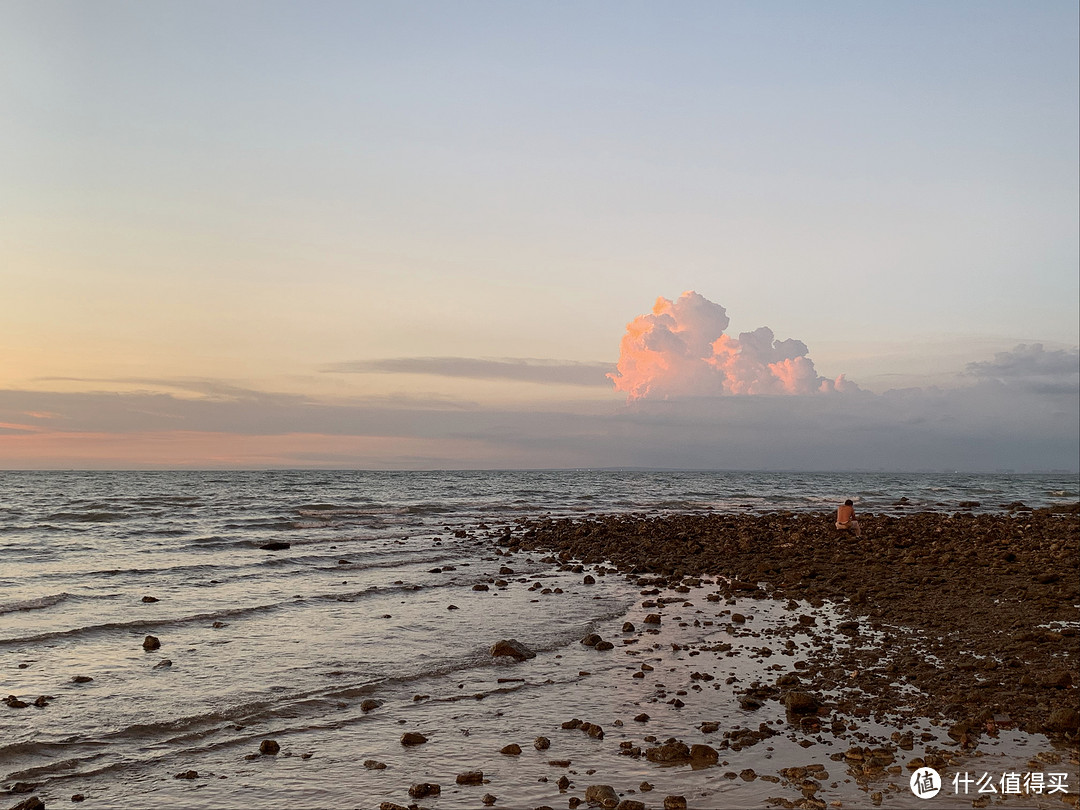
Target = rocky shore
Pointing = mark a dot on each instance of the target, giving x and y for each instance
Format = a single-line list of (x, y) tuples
[(979, 614)]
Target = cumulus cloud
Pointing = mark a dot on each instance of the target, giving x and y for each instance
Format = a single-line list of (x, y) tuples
[(1032, 367), (519, 369), (680, 350)]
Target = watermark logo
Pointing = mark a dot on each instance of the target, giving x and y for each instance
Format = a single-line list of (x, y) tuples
[(925, 783)]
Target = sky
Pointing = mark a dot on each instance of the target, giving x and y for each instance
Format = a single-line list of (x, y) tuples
[(413, 235)]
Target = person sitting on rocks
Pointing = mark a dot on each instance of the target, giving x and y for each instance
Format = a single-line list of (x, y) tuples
[(845, 518)]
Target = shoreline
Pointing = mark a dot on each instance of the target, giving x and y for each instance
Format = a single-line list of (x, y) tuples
[(974, 592)]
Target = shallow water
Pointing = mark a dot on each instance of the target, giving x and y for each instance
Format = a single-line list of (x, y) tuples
[(358, 608)]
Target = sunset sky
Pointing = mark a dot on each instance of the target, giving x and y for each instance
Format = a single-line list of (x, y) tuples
[(422, 235)]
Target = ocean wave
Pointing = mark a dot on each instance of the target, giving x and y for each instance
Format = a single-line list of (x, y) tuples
[(33, 604), (90, 517)]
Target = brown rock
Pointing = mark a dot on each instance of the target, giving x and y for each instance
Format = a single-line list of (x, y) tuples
[(800, 703), (374, 765), (33, 803), (269, 747), (704, 754), (187, 775), (512, 648), (511, 750), (669, 752), (471, 778), (488, 800), (541, 743), (424, 789), (151, 643), (674, 803), (602, 795), (413, 738), (1063, 719)]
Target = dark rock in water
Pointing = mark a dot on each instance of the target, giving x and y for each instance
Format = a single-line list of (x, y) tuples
[(591, 640), (370, 705), (452, 607), (150, 599), (392, 806), (604, 646), (512, 648), (630, 804), (33, 803), (23, 787), (541, 743), (601, 795), (275, 546), (187, 775), (374, 765), (563, 783), (43, 701), (413, 738), (848, 628), (470, 778), (506, 571), (969, 504), (674, 803), (628, 627), (652, 618), (219, 625), (704, 754), (511, 750), (424, 789), (488, 799), (642, 718), (151, 643), (575, 723), (164, 663), (269, 747), (15, 703), (78, 797), (480, 586), (1063, 719), (738, 618), (81, 679), (800, 703), (669, 752), (589, 579)]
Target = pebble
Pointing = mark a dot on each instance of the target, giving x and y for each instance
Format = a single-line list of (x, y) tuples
[(269, 747), (511, 750), (151, 643), (413, 738)]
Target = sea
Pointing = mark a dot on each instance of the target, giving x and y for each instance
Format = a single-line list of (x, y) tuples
[(365, 625)]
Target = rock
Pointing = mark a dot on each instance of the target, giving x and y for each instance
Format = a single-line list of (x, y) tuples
[(669, 752), (511, 750), (541, 743), (642, 718), (480, 586), (374, 765), (164, 663), (1063, 719), (591, 640), (488, 800), (392, 806), (187, 775), (630, 804), (151, 643), (413, 738), (370, 705), (424, 789), (23, 787), (452, 607), (150, 599), (563, 783), (652, 618), (81, 679), (78, 797), (219, 625), (748, 775), (589, 579), (275, 546), (674, 803), (645, 787), (628, 627), (601, 795), (512, 648), (269, 747), (704, 754), (470, 778), (800, 703), (33, 803), (42, 701), (738, 618), (604, 645), (15, 703)]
